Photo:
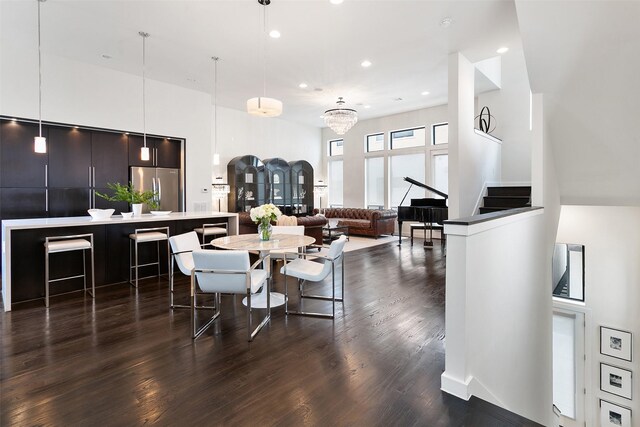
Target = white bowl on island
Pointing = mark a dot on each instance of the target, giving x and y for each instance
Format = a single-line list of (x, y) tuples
[(101, 213), (160, 213), (127, 215)]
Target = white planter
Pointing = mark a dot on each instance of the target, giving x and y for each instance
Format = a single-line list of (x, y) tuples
[(137, 209)]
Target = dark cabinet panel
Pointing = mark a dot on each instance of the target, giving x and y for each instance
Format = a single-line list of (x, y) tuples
[(20, 166), (110, 158), (68, 201), (69, 157), (168, 153), (164, 152), (23, 203)]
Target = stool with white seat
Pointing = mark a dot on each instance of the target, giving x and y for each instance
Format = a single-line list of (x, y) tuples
[(78, 242), (212, 230), (146, 235)]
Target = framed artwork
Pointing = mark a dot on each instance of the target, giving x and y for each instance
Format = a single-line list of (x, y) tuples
[(615, 343), (613, 415), (615, 380)]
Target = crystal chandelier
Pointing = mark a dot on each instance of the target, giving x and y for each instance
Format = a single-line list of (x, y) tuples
[(340, 119)]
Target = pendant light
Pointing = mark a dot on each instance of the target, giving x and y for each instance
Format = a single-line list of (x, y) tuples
[(261, 105), (144, 151), (340, 119), (216, 156), (39, 142)]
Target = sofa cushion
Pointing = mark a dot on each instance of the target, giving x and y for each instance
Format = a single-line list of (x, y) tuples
[(355, 223)]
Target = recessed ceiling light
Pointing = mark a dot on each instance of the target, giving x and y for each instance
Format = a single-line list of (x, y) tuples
[(302, 85), (275, 34), (446, 22), (366, 63), (502, 50), (425, 93), (322, 116), (367, 106), (336, 1)]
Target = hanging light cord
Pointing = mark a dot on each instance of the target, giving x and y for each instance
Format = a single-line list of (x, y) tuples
[(215, 104), (264, 50), (144, 111), (39, 76)]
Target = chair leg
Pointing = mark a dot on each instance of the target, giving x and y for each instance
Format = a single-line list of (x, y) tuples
[(267, 317), (46, 278), (84, 271), (93, 272)]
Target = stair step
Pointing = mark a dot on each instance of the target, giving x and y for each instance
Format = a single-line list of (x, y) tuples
[(487, 210), (506, 201), (509, 191)]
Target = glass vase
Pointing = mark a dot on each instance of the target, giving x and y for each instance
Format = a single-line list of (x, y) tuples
[(264, 230)]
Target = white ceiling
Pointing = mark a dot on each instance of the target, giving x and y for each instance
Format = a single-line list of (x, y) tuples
[(321, 44), (584, 57)]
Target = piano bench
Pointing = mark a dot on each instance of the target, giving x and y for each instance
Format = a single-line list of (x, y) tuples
[(425, 227)]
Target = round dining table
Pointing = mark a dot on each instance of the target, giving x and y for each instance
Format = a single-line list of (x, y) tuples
[(252, 242)]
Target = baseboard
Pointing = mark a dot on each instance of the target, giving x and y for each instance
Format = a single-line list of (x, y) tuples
[(454, 386)]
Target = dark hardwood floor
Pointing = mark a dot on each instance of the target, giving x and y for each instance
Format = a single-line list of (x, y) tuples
[(126, 359)]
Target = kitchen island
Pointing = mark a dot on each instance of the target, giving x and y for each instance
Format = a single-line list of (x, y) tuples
[(23, 250)]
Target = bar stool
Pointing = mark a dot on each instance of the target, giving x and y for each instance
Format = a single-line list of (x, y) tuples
[(145, 235), (57, 244), (218, 229)]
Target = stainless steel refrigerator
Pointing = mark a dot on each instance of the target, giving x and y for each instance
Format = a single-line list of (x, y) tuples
[(166, 182)]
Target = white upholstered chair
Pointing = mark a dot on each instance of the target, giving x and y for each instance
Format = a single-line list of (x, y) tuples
[(289, 253), (182, 247), (306, 270), (217, 272)]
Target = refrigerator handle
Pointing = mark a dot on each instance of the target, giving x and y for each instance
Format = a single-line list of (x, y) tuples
[(153, 184), (159, 193)]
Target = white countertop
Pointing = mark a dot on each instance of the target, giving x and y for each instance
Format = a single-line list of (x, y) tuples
[(19, 224)]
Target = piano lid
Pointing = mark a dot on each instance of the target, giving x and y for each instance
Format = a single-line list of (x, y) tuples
[(425, 186)]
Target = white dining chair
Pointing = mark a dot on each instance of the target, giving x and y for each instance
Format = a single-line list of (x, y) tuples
[(306, 270), (217, 272), (279, 254), (182, 247)]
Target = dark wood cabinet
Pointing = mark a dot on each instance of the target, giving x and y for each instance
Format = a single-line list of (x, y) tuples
[(109, 158), (69, 158), (163, 152), (20, 166), (246, 175), (302, 187), (278, 183), (69, 201), (23, 203)]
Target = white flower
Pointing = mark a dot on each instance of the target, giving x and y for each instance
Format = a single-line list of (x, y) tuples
[(266, 211)]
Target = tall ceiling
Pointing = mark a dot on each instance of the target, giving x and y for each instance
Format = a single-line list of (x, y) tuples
[(321, 44), (584, 56)]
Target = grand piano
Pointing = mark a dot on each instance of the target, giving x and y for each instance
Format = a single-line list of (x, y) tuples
[(427, 210)]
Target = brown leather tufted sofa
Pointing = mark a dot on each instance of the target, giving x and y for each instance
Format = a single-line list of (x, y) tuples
[(312, 225), (366, 222)]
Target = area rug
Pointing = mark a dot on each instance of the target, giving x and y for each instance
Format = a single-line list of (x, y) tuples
[(357, 242)]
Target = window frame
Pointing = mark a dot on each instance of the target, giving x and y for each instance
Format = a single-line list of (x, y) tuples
[(419, 147), (366, 143), (433, 134), (330, 146)]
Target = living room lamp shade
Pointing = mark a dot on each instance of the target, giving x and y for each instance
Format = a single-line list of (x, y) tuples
[(144, 151), (39, 142), (261, 105), (340, 119)]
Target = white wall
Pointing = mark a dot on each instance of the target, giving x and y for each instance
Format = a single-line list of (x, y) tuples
[(510, 108), (354, 143), (84, 94), (498, 314), (611, 236), (473, 160)]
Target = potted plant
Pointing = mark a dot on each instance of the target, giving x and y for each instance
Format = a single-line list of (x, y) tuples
[(126, 193)]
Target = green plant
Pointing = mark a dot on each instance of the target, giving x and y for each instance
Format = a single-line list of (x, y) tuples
[(126, 193)]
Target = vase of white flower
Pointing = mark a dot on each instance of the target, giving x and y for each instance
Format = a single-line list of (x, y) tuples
[(263, 215)]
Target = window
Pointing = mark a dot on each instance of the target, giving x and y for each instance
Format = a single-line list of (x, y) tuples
[(335, 147), (374, 181), (335, 182), (375, 142), (408, 138), (440, 133), (411, 165), (440, 167)]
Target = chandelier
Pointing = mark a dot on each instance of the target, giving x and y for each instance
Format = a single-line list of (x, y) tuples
[(340, 119)]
